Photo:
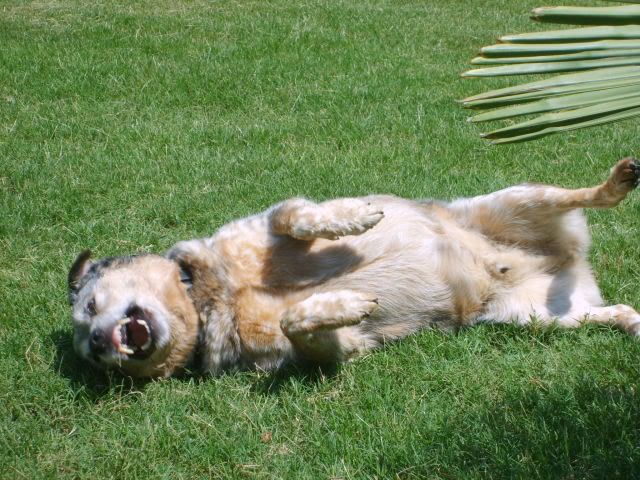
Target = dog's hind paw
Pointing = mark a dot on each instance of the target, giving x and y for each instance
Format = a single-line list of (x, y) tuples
[(625, 175), (357, 221)]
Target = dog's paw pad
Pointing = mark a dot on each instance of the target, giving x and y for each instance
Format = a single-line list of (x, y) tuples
[(626, 173)]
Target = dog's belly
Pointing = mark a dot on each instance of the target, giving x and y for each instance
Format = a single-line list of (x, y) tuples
[(424, 268)]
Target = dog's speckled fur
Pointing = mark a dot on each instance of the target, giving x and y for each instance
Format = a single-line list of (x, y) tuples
[(329, 281)]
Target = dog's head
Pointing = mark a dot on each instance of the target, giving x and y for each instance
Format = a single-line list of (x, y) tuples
[(132, 314)]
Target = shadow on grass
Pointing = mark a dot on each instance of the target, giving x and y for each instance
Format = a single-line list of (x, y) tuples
[(84, 379), (307, 374), (567, 429), (92, 383), (582, 431)]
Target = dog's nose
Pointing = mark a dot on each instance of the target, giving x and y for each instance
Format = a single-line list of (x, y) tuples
[(98, 341)]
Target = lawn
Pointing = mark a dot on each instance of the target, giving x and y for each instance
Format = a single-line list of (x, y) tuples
[(126, 126)]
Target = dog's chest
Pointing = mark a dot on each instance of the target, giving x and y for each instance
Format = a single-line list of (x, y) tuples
[(256, 296)]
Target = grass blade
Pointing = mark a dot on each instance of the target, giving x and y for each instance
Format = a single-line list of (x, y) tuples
[(564, 117), (624, 15), (560, 103), (576, 34), (557, 58), (549, 67), (615, 117), (516, 49)]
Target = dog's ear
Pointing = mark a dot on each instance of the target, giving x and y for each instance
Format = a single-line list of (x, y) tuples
[(78, 270)]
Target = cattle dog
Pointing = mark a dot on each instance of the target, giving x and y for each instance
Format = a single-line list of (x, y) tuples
[(325, 282)]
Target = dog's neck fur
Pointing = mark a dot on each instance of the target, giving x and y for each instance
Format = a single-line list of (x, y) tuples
[(217, 347), (195, 361)]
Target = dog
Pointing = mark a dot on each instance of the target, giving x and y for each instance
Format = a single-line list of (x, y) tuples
[(325, 282)]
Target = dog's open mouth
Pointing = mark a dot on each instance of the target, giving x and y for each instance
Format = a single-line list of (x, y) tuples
[(133, 335)]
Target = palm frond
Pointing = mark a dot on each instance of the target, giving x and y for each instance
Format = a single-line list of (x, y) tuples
[(592, 55), (563, 102), (550, 67), (628, 14), (582, 34), (511, 49), (606, 89)]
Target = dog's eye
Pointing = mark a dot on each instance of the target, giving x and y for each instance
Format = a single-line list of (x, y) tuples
[(91, 308)]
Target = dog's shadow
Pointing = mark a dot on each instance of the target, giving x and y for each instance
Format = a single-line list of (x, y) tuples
[(307, 374), (85, 380), (91, 383)]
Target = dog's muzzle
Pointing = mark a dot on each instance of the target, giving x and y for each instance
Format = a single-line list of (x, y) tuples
[(131, 336)]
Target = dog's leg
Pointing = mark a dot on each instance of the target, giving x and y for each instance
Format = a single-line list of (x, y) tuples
[(306, 220), (622, 316), (623, 178), (326, 311), (540, 216)]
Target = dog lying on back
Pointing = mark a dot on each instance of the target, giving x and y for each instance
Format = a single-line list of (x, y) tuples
[(325, 282)]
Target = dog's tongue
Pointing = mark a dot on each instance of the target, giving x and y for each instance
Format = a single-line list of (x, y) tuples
[(137, 333)]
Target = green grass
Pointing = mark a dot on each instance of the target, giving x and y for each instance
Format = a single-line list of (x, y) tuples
[(127, 126)]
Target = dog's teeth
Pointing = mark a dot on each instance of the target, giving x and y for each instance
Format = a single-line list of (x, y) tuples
[(147, 344), (124, 321), (125, 349), (144, 324)]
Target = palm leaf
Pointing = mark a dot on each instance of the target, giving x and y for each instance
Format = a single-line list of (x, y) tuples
[(582, 78), (561, 103), (511, 49), (581, 123), (628, 14), (605, 89), (554, 91), (550, 67), (593, 55), (583, 34), (565, 117)]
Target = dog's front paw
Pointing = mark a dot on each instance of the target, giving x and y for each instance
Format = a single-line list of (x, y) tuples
[(356, 307), (328, 311), (349, 217), (365, 217)]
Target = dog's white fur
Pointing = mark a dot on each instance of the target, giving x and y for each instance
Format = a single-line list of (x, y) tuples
[(329, 281)]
